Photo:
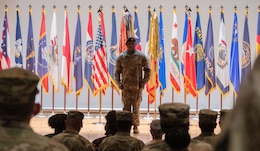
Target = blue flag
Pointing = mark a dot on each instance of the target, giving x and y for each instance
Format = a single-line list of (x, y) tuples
[(234, 73), (137, 32), (30, 51), (42, 66), (185, 29), (209, 59), (18, 43), (113, 52), (77, 58), (89, 54), (162, 76), (246, 52), (200, 54)]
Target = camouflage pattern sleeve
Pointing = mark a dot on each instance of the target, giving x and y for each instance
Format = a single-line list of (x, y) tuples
[(118, 72), (147, 70)]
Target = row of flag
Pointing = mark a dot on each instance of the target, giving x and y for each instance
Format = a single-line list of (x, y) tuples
[(194, 62)]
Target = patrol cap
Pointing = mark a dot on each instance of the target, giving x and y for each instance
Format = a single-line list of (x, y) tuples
[(207, 116), (18, 86), (130, 39), (224, 112), (174, 114), (75, 115), (123, 116), (156, 125)]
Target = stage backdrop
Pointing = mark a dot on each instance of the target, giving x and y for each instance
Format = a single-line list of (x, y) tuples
[(142, 5)]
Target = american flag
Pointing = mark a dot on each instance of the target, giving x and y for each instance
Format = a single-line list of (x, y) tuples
[(99, 67), (5, 52)]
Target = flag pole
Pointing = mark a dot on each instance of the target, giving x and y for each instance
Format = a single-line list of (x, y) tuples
[(209, 101), (77, 98), (185, 96), (64, 100), (148, 116), (112, 96), (172, 95), (234, 98), (52, 113), (220, 102), (88, 111), (41, 113), (155, 106), (100, 109)]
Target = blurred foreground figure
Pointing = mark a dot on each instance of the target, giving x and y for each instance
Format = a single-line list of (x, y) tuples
[(241, 129), (70, 137), (57, 122), (18, 88)]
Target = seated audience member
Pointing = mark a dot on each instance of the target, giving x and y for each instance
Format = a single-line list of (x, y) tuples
[(223, 114), (57, 122), (18, 88), (156, 131), (207, 124), (122, 141), (241, 127), (110, 128), (175, 125), (70, 137)]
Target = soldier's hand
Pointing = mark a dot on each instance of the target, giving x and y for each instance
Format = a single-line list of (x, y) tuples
[(121, 86), (141, 85)]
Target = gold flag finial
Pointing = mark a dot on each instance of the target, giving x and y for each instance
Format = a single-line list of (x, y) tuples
[(174, 9), (160, 7), (259, 8), (222, 8), (197, 8), (89, 7), (43, 7), (65, 7), (6, 7), (135, 8), (149, 7), (246, 11), (78, 8), (210, 9), (235, 8)]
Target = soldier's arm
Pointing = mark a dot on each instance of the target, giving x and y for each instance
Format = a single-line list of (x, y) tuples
[(118, 72), (146, 69)]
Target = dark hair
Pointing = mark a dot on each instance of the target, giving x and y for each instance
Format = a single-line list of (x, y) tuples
[(57, 121), (111, 123), (124, 126), (205, 127), (178, 138)]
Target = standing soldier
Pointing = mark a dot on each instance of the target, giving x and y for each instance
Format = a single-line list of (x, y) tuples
[(130, 65)]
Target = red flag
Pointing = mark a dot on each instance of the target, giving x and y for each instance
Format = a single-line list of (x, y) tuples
[(123, 35), (66, 58), (189, 66)]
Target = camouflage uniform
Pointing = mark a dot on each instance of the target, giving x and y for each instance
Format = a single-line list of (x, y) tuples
[(207, 118), (74, 141), (19, 136), (129, 77), (121, 141), (175, 116), (18, 88)]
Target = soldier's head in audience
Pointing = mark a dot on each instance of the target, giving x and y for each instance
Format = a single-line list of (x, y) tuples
[(18, 88), (124, 121), (207, 120), (175, 124), (110, 126), (74, 120), (241, 127), (156, 130), (223, 114), (57, 122)]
